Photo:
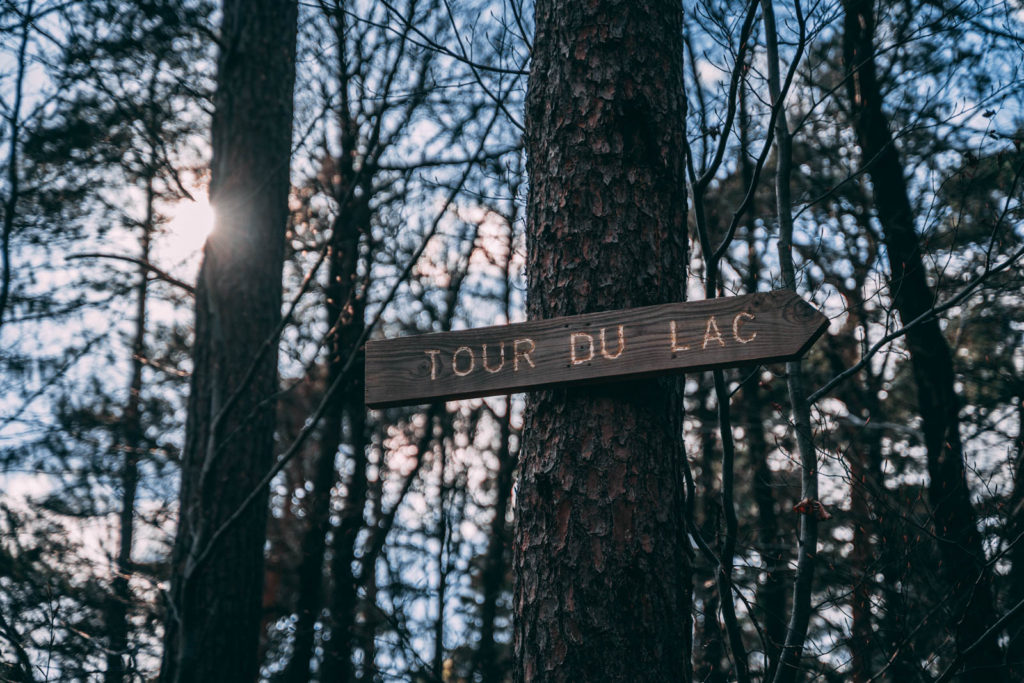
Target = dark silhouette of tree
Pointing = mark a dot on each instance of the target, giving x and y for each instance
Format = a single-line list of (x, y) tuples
[(153, 43), (213, 614), (960, 544), (95, 146), (15, 124)]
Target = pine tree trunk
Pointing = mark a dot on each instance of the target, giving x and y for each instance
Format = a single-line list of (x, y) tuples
[(963, 559), (601, 556), (130, 441), (213, 620)]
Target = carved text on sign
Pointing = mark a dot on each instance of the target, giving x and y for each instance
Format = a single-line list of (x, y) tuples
[(592, 347), (464, 358), (583, 347)]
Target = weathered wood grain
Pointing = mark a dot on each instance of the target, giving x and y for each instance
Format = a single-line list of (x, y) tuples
[(639, 342)]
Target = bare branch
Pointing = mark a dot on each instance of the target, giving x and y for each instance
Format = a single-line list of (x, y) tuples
[(158, 272)]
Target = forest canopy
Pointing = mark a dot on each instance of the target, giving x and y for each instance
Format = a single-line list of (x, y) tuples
[(209, 207)]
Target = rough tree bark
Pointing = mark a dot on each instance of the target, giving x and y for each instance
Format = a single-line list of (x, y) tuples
[(601, 558), (213, 618), (964, 565)]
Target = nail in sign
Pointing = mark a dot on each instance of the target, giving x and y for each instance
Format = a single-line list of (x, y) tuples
[(595, 347)]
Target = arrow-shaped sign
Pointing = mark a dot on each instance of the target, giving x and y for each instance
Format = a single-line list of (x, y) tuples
[(637, 342)]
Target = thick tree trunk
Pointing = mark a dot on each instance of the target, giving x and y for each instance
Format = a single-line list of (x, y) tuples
[(601, 556), (213, 621), (963, 558)]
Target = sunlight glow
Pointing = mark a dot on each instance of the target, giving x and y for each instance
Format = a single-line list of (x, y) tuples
[(190, 224)]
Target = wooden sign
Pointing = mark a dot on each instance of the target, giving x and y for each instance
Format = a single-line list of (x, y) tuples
[(638, 342)]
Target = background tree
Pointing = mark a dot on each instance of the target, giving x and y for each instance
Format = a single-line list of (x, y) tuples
[(955, 523), (105, 164), (212, 628)]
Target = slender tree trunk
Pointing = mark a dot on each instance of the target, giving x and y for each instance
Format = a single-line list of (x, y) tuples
[(492, 580), (130, 441), (443, 535), (712, 652), (963, 558), (344, 601), (771, 595), (876, 520), (1015, 593), (344, 584), (788, 666), (310, 599), (600, 546), (212, 631), (345, 324), (486, 658), (861, 634), (367, 636), (13, 169), (352, 223)]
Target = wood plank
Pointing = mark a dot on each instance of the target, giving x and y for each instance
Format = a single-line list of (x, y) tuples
[(633, 343)]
